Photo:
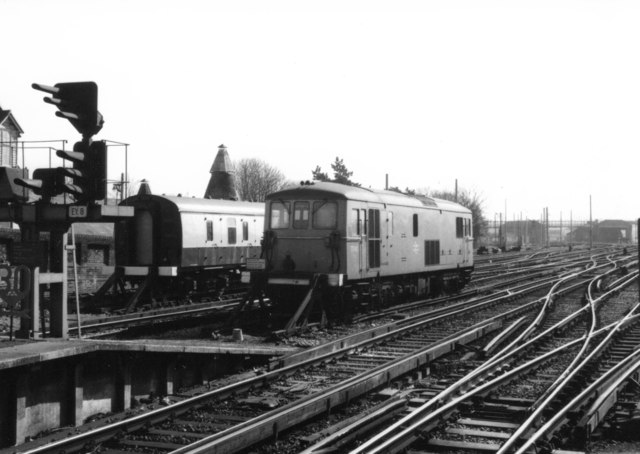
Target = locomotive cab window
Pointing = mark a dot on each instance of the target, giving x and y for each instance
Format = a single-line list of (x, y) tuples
[(415, 225), (231, 230), (463, 227), (301, 215), (325, 215), (279, 215)]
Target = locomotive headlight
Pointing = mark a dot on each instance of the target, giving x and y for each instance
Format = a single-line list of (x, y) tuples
[(335, 280)]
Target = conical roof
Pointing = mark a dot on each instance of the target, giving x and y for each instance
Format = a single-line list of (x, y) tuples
[(222, 184), (144, 188)]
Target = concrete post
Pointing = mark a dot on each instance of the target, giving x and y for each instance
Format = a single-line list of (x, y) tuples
[(170, 370), (22, 424), (123, 386), (77, 384)]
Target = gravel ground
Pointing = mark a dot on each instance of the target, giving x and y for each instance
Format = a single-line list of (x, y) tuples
[(615, 447)]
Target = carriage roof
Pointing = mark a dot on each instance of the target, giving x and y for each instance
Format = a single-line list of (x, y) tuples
[(198, 205)]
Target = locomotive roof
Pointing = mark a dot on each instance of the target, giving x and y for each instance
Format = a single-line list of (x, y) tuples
[(319, 189), (198, 205)]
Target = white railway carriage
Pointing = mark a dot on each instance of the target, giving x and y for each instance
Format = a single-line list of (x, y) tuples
[(181, 244), (350, 236)]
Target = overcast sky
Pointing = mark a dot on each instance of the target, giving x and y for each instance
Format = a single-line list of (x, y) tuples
[(527, 103)]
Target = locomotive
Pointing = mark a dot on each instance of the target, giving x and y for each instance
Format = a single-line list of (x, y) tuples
[(347, 245), (175, 246)]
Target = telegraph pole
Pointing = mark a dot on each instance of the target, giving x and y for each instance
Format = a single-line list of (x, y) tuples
[(590, 225)]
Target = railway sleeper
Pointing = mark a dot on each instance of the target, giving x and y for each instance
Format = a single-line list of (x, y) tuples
[(206, 428), (508, 400), (462, 445), (504, 406), (177, 433), (478, 433), (165, 446)]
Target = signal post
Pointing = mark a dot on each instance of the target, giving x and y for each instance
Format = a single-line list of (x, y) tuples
[(85, 181)]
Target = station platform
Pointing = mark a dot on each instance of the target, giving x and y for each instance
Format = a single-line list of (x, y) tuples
[(49, 383), (21, 353)]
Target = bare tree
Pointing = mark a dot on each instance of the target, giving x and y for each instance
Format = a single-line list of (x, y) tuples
[(256, 178), (471, 200)]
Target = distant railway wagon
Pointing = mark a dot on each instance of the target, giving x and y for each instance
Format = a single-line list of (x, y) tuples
[(176, 245), (364, 242)]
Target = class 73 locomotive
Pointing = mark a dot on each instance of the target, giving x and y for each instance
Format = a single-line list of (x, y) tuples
[(176, 247), (351, 245)]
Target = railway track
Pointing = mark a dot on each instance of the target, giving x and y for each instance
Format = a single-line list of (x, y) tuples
[(523, 270), (387, 353), (316, 382), (492, 407)]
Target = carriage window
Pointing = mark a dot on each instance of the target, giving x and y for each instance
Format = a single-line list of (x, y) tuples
[(209, 230), (467, 227), (245, 231), (415, 225), (301, 215), (231, 229), (325, 215), (279, 215)]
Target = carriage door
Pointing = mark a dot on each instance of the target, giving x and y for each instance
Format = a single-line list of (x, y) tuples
[(374, 238), (468, 237), (359, 234)]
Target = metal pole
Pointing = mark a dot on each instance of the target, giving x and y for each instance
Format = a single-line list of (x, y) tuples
[(547, 221), (75, 279), (590, 226), (570, 229), (506, 237), (126, 168)]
